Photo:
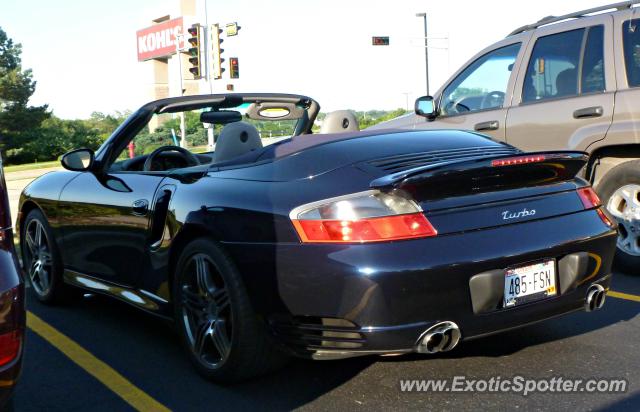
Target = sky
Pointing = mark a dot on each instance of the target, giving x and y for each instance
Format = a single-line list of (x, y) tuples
[(83, 53)]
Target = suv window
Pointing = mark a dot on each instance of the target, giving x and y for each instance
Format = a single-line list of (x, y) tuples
[(555, 66), (593, 62), (483, 84), (631, 36)]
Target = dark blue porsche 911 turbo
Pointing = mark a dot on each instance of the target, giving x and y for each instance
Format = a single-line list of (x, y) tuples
[(328, 245)]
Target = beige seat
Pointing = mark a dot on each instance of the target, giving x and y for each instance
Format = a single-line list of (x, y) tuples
[(236, 139), (340, 121)]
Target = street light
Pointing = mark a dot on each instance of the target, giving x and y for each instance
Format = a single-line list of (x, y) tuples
[(426, 49)]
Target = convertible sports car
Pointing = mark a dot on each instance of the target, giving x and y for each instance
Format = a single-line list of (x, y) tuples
[(323, 246)]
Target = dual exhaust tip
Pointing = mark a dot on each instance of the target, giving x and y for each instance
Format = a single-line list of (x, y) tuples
[(596, 295), (441, 337), (444, 336)]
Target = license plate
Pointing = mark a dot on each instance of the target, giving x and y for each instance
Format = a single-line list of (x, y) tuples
[(529, 283)]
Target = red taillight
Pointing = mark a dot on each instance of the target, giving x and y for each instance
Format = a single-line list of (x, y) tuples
[(6, 239), (589, 198), (374, 229), (510, 161), (371, 216), (11, 324), (604, 218), (10, 344)]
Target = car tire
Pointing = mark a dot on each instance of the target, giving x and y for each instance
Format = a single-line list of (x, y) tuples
[(619, 191), (42, 263), (222, 336)]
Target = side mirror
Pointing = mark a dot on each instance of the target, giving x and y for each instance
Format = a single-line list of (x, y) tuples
[(79, 160), (426, 107)]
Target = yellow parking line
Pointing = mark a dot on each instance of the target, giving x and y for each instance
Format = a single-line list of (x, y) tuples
[(621, 295), (133, 395)]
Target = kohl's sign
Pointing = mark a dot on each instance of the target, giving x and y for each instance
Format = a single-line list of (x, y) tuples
[(158, 40)]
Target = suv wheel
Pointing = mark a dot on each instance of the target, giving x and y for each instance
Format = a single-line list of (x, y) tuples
[(620, 193)]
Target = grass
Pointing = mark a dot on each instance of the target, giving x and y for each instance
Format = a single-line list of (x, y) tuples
[(31, 166)]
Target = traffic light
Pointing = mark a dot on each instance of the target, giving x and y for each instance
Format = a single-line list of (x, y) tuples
[(234, 68), (195, 37), (380, 40), (216, 42), (232, 29)]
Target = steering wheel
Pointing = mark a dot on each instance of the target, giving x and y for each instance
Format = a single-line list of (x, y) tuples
[(456, 106), (486, 100), (189, 157)]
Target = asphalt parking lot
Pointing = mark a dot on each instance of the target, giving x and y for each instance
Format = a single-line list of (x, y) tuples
[(100, 354), (145, 351)]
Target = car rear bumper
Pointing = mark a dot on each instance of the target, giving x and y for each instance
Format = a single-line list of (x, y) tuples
[(347, 300)]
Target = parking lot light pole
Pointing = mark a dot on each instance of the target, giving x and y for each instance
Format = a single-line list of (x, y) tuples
[(426, 48)]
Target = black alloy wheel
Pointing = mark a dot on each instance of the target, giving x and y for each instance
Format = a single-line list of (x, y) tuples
[(206, 311), (37, 257), (223, 337), (41, 261)]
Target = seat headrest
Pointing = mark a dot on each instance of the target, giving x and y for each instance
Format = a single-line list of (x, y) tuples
[(236, 139), (340, 121), (567, 83)]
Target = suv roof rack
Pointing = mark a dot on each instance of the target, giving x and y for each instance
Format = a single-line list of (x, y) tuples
[(554, 19)]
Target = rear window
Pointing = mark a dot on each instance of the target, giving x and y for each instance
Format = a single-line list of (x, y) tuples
[(566, 64), (631, 36)]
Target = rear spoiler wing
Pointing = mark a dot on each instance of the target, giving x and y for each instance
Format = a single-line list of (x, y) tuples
[(560, 165)]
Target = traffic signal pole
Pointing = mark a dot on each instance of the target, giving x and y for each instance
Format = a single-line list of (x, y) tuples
[(207, 58), (206, 62), (183, 137)]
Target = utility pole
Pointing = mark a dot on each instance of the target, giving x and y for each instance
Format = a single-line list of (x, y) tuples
[(406, 97), (426, 49), (183, 133), (208, 47)]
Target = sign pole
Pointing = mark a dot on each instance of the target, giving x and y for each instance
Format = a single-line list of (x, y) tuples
[(183, 137), (208, 48)]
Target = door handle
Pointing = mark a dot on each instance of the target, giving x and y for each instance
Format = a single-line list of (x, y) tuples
[(490, 125), (595, 111), (140, 207)]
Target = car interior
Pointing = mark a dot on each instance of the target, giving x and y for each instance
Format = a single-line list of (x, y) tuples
[(241, 132)]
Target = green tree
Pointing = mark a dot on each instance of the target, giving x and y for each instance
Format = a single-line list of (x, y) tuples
[(105, 124), (56, 137), (18, 120), (372, 117)]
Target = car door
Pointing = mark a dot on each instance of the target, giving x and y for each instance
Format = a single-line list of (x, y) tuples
[(625, 127), (564, 95), (478, 96), (105, 223)]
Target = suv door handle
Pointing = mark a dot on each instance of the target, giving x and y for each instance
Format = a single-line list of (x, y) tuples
[(595, 111), (140, 207), (490, 125)]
